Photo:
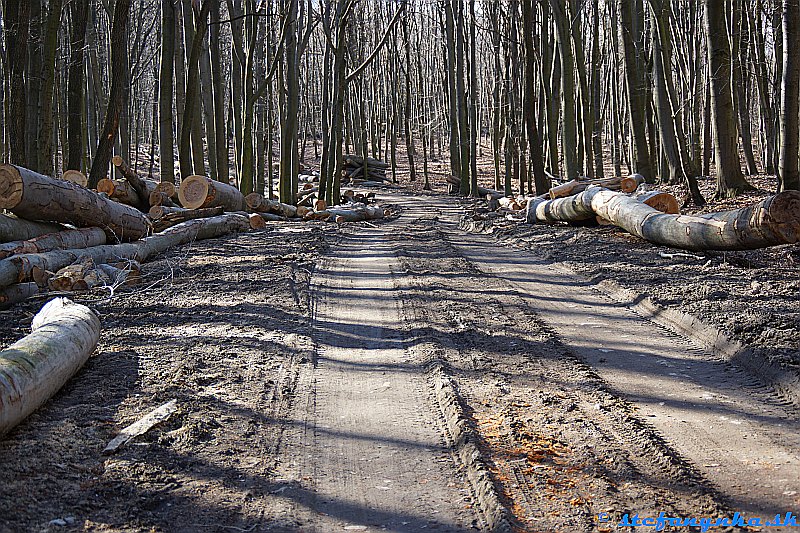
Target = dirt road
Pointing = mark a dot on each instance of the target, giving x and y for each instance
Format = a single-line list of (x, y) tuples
[(400, 376)]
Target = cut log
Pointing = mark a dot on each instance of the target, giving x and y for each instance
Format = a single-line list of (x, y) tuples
[(630, 183), (171, 219), (575, 186), (142, 187), (201, 191), (353, 213), (62, 240), (510, 203), (772, 221), (662, 201), (17, 229), (33, 369), (167, 188), (75, 176), (160, 198), (21, 268), (158, 211), (257, 221), (33, 196), (320, 205), (17, 293), (258, 203), (573, 208), (125, 192)]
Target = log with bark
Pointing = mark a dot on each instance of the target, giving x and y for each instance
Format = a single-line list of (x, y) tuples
[(259, 204), (772, 221), (142, 187), (169, 189), (61, 240), (24, 267), (176, 217), (201, 191), (627, 184), (33, 196), (14, 294), (160, 198), (17, 229), (84, 274), (348, 213), (126, 193), (64, 334)]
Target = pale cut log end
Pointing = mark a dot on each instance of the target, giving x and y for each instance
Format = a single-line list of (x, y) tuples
[(257, 221), (320, 205), (664, 202), (167, 188), (117, 161), (107, 186), (254, 200), (193, 191), (784, 214), (75, 176), (11, 187)]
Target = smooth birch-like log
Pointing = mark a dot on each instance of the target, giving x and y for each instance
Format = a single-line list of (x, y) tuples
[(20, 268), (772, 221), (17, 229), (75, 176), (33, 196), (62, 240), (16, 293), (201, 191), (64, 334), (573, 208)]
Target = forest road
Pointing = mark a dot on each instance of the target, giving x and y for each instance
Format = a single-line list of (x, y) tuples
[(368, 453), (740, 434), (366, 450)]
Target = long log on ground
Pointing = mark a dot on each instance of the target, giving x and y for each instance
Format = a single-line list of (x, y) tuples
[(348, 214), (158, 211), (33, 369), (627, 184), (61, 240), (202, 191), (21, 268), (17, 229), (33, 196), (573, 208), (16, 293), (772, 221)]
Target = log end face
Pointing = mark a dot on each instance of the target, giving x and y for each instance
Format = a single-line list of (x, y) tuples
[(784, 215), (253, 200), (194, 191), (11, 187), (106, 185), (75, 176)]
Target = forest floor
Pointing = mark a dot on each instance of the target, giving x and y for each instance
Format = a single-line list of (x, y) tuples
[(339, 378)]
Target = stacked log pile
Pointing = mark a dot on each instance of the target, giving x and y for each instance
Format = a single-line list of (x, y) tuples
[(356, 172)]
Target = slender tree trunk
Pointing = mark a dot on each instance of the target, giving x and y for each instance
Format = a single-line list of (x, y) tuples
[(730, 181), (118, 98), (542, 183), (79, 10), (166, 142), (48, 76), (17, 17), (788, 173)]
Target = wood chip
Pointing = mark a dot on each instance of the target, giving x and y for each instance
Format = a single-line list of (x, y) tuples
[(142, 426)]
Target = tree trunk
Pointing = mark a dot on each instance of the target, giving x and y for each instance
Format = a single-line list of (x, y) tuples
[(48, 75), (541, 181), (64, 336), (730, 181), (17, 15), (166, 139), (118, 99), (33, 196), (79, 10), (788, 173), (632, 28)]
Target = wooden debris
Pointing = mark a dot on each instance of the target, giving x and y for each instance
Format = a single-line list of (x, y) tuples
[(182, 215), (201, 191), (32, 369), (22, 267), (142, 426), (258, 203), (33, 196)]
